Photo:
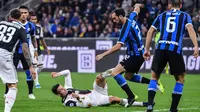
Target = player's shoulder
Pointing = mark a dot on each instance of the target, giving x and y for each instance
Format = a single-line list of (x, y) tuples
[(14, 24), (185, 13)]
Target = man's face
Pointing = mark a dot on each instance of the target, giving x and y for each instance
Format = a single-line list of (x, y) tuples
[(33, 19), (62, 91), (24, 14), (115, 18)]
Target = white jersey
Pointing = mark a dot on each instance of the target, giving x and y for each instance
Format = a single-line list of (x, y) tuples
[(96, 97)]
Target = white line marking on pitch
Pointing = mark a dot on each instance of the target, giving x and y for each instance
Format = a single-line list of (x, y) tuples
[(166, 110)]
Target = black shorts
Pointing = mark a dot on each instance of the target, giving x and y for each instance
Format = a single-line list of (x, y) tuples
[(132, 64), (175, 60), (20, 57)]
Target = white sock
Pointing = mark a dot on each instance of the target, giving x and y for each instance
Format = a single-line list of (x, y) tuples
[(39, 68), (107, 73), (64, 73), (36, 79), (10, 99), (125, 101)]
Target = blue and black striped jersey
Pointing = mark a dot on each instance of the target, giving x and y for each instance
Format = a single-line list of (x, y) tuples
[(172, 25), (130, 35), (30, 31)]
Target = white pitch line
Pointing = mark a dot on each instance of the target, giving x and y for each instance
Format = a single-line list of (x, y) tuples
[(166, 110)]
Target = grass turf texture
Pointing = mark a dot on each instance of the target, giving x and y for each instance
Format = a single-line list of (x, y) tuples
[(46, 101)]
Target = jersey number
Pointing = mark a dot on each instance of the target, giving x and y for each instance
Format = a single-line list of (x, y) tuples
[(6, 33), (170, 21)]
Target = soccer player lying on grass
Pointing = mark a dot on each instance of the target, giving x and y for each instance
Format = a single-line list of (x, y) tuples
[(87, 98)]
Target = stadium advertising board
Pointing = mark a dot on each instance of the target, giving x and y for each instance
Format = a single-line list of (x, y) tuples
[(79, 56)]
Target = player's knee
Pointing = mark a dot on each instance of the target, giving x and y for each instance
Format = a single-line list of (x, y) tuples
[(128, 76), (155, 76), (12, 85), (99, 78)]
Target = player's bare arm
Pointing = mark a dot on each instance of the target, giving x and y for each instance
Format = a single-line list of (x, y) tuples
[(45, 46), (115, 48), (27, 56), (137, 7), (193, 37), (149, 37), (34, 42)]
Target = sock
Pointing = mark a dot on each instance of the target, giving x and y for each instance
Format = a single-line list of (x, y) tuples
[(107, 73), (125, 101), (36, 79), (122, 82), (176, 96), (151, 93), (6, 89), (39, 68), (64, 73), (30, 86), (138, 78), (10, 99)]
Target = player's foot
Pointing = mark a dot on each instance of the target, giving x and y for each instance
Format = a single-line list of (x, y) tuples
[(31, 96), (161, 87), (130, 102), (150, 108), (145, 104), (38, 86), (136, 96)]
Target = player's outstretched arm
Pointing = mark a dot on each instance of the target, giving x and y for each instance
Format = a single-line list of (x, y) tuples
[(137, 7), (115, 48), (149, 37), (45, 46), (193, 37), (27, 56), (61, 73)]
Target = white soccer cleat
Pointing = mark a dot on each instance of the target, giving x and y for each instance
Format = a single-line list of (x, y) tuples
[(31, 96)]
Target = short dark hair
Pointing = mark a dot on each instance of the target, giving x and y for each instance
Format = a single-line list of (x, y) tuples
[(23, 7), (32, 14), (175, 3), (15, 13), (54, 89), (119, 12)]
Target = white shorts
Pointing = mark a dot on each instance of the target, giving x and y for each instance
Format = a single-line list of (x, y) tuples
[(8, 72), (99, 95)]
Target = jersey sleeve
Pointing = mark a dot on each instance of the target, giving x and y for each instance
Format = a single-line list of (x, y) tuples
[(156, 23), (124, 32), (188, 20), (22, 35), (133, 15)]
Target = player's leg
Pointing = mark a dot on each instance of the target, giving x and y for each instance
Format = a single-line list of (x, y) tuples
[(159, 62), (8, 75), (10, 97), (39, 69), (116, 73), (29, 79), (100, 85), (16, 58), (67, 74), (179, 73)]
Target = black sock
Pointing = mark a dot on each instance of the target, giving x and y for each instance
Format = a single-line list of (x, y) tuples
[(151, 95), (6, 89), (128, 91), (145, 80), (175, 101), (30, 86)]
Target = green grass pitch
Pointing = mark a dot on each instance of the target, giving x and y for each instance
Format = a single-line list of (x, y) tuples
[(46, 101)]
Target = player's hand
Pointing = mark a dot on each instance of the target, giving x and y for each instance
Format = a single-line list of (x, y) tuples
[(75, 95), (139, 5), (99, 57), (196, 52), (36, 54), (146, 55), (54, 74), (32, 71), (48, 51)]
